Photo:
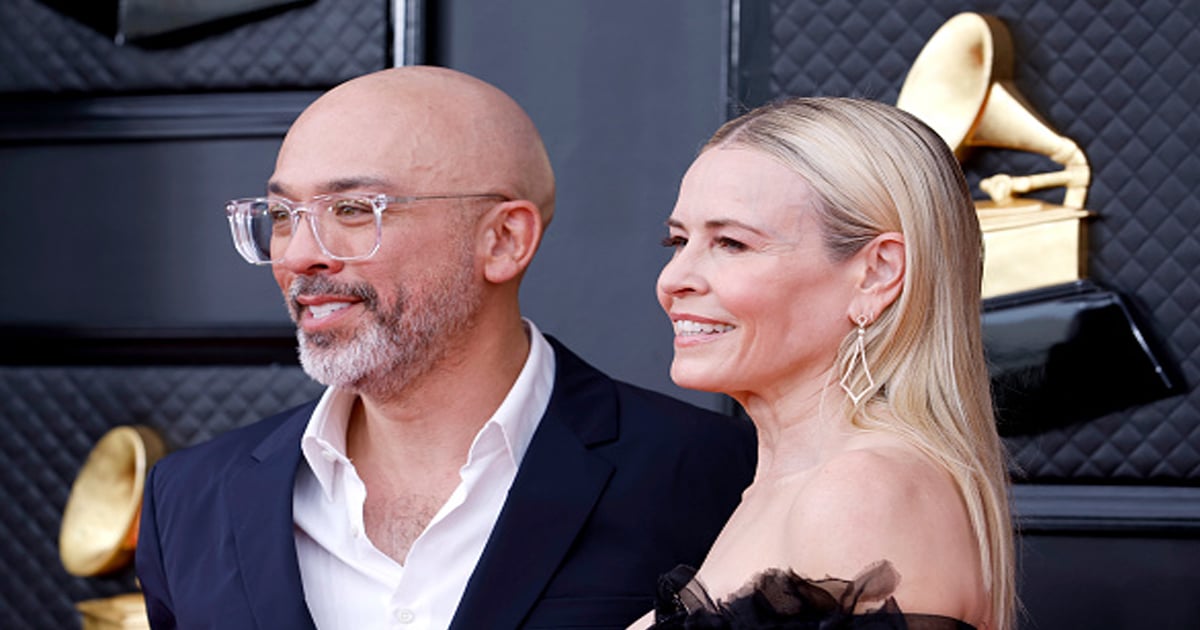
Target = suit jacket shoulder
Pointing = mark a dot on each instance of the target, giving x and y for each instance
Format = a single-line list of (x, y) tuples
[(618, 486), (215, 546), (214, 459)]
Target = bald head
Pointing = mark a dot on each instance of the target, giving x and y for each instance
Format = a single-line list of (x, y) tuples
[(419, 130)]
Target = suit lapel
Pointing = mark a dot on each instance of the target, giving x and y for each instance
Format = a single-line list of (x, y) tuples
[(259, 500), (556, 488)]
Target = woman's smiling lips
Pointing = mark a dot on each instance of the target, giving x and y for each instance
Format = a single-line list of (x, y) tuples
[(693, 329)]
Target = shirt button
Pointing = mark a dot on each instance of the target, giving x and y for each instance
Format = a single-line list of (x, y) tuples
[(405, 616), (329, 455)]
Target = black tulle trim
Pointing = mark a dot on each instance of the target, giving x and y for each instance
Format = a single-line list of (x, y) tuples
[(779, 598)]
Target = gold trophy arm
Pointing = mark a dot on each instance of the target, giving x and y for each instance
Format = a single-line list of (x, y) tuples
[(1009, 122), (1001, 187)]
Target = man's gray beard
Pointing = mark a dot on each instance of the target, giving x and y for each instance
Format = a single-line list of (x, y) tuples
[(392, 347)]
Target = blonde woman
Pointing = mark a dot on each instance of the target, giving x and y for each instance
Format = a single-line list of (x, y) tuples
[(826, 275)]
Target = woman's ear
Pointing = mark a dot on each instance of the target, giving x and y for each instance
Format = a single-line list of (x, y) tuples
[(513, 231), (883, 268)]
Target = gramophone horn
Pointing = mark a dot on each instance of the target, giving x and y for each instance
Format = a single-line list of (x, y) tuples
[(961, 85), (99, 525)]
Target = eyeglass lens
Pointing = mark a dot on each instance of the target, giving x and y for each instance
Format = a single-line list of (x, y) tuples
[(344, 227)]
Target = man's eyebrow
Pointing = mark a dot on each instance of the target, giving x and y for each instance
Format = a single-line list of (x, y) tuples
[(354, 183), (335, 185)]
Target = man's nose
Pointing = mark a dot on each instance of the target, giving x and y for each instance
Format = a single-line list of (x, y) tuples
[(303, 253)]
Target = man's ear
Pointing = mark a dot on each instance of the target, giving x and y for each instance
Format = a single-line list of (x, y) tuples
[(512, 232), (883, 269)]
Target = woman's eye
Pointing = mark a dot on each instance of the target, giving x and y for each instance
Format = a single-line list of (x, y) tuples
[(724, 242), (674, 242)]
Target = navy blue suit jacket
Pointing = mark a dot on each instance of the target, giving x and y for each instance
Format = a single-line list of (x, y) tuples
[(617, 487)]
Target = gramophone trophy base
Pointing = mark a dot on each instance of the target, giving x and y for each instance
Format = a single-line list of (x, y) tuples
[(1029, 245), (1068, 353), (121, 612)]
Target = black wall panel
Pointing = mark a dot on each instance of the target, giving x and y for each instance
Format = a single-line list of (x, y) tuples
[(312, 45), (51, 418)]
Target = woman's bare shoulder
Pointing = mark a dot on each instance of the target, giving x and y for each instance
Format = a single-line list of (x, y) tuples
[(877, 479), (886, 501)]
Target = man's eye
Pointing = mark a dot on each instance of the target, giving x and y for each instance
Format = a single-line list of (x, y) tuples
[(278, 213), (674, 242), (351, 208)]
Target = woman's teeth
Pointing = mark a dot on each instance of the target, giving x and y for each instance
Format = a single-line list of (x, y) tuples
[(686, 327)]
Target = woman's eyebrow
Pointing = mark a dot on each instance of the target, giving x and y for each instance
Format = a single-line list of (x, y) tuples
[(720, 223)]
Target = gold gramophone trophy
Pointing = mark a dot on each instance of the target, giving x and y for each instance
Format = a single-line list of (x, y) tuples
[(961, 85), (1060, 347), (100, 521)]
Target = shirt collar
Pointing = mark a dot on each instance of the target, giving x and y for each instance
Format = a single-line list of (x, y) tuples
[(323, 444), (324, 441), (522, 409)]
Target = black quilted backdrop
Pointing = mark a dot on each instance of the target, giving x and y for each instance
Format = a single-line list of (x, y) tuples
[(311, 46), (1118, 77), (51, 417)]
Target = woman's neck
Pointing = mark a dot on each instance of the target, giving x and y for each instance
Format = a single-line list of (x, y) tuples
[(799, 426)]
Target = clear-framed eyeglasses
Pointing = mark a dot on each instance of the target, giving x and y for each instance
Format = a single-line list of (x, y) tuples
[(346, 227)]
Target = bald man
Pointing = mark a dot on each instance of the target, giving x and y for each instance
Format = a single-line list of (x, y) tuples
[(462, 470)]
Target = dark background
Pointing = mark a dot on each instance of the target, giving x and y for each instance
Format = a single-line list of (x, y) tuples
[(125, 302)]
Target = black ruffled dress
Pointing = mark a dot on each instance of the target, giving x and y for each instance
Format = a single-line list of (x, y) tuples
[(782, 599)]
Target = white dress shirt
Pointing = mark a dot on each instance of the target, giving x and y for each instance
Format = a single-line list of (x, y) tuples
[(351, 585)]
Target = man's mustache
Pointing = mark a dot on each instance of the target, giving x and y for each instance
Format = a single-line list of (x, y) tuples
[(324, 285)]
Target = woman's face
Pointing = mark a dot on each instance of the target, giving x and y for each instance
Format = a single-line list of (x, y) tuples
[(756, 303)]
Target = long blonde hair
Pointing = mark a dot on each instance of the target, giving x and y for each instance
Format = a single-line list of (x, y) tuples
[(879, 169)]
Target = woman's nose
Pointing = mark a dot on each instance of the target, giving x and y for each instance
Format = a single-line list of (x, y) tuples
[(681, 275)]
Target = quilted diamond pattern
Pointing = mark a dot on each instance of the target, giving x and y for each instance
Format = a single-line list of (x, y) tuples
[(50, 418), (1121, 79), (309, 47)]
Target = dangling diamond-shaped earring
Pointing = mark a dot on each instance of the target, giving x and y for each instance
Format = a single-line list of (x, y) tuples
[(858, 355)]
